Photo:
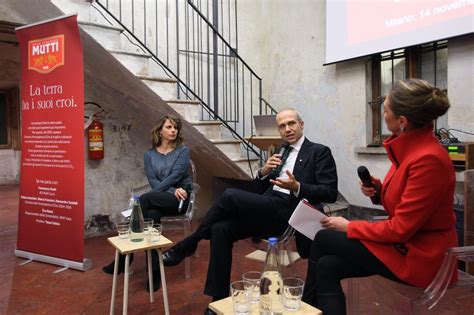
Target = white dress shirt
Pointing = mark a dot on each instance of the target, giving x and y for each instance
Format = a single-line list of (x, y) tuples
[(290, 165)]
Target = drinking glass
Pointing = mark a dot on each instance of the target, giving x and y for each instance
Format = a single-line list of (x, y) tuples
[(123, 230), (292, 293), (155, 233), (254, 278), (148, 224), (241, 292)]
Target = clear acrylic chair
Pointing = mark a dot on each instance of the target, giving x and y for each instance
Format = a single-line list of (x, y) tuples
[(287, 257), (183, 220), (400, 298), (186, 219)]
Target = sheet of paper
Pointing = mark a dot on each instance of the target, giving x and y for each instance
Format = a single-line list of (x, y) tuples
[(305, 219), (127, 213)]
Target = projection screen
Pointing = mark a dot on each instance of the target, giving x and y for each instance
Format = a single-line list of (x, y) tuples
[(356, 28)]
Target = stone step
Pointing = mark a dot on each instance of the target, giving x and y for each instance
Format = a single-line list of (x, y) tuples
[(231, 148), (137, 63), (85, 11), (243, 163), (107, 36), (210, 129), (188, 109), (164, 87), (335, 207)]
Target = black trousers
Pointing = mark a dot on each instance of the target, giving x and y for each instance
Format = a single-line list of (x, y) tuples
[(157, 204), (237, 215), (334, 257)]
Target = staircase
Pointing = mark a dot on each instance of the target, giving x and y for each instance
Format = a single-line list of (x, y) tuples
[(226, 129)]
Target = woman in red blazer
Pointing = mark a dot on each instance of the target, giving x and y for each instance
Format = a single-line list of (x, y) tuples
[(417, 194)]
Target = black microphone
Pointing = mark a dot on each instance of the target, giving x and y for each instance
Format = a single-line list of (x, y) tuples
[(364, 176), (276, 171)]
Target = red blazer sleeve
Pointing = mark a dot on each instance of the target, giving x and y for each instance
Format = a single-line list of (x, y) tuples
[(424, 188)]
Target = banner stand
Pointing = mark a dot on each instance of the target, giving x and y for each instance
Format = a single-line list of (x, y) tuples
[(84, 266), (51, 207)]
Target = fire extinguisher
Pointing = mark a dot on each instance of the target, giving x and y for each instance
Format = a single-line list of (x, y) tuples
[(95, 137)]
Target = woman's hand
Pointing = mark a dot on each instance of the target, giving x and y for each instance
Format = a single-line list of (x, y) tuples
[(335, 223), (181, 194), (371, 191)]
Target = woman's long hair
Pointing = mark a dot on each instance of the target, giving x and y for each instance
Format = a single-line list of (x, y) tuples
[(155, 132)]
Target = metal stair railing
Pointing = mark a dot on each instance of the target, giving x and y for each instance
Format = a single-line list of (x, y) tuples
[(205, 65)]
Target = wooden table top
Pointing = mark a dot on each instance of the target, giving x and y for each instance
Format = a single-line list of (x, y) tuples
[(126, 246), (225, 307)]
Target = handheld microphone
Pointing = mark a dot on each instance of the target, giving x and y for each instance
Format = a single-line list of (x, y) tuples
[(180, 206), (364, 176), (276, 171)]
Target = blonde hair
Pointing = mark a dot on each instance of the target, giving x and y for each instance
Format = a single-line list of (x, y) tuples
[(418, 101), (155, 132)]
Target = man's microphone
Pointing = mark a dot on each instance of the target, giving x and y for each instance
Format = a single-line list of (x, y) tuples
[(180, 206), (276, 171), (366, 179)]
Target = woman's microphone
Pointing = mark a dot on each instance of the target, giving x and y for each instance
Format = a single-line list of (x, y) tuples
[(364, 176)]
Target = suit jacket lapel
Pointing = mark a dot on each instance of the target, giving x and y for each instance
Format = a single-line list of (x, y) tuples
[(302, 159)]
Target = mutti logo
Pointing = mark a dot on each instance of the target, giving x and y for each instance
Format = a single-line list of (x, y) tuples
[(46, 54)]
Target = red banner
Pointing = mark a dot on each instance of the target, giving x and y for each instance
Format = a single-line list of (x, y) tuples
[(51, 214)]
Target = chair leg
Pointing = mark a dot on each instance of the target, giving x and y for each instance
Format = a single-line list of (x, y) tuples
[(290, 261), (187, 260), (238, 264), (187, 267), (191, 229)]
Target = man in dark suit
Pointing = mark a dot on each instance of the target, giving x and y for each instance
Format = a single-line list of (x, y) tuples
[(302, 169)]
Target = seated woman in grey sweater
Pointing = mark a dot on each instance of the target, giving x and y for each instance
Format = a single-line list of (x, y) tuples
[(167, 169)]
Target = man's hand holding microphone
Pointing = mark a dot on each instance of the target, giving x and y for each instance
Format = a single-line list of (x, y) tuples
[(270, 168)]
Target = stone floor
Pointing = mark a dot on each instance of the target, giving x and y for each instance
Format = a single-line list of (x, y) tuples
[(34, 288)]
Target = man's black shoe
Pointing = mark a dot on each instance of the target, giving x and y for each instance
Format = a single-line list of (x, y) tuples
[(110, 268), (208, 311), (156, 281), (121, 267), (173, 256), (176, 254)]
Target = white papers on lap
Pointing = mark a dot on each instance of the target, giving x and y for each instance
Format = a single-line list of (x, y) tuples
[(305, 219)]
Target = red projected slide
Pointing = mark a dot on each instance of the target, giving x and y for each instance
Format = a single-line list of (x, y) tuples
[(371, 20)]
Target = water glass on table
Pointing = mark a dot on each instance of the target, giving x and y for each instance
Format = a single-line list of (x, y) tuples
[(154, 233), (241, 293), (292, 293), (123, 229), (147, 225), (254, 278)]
